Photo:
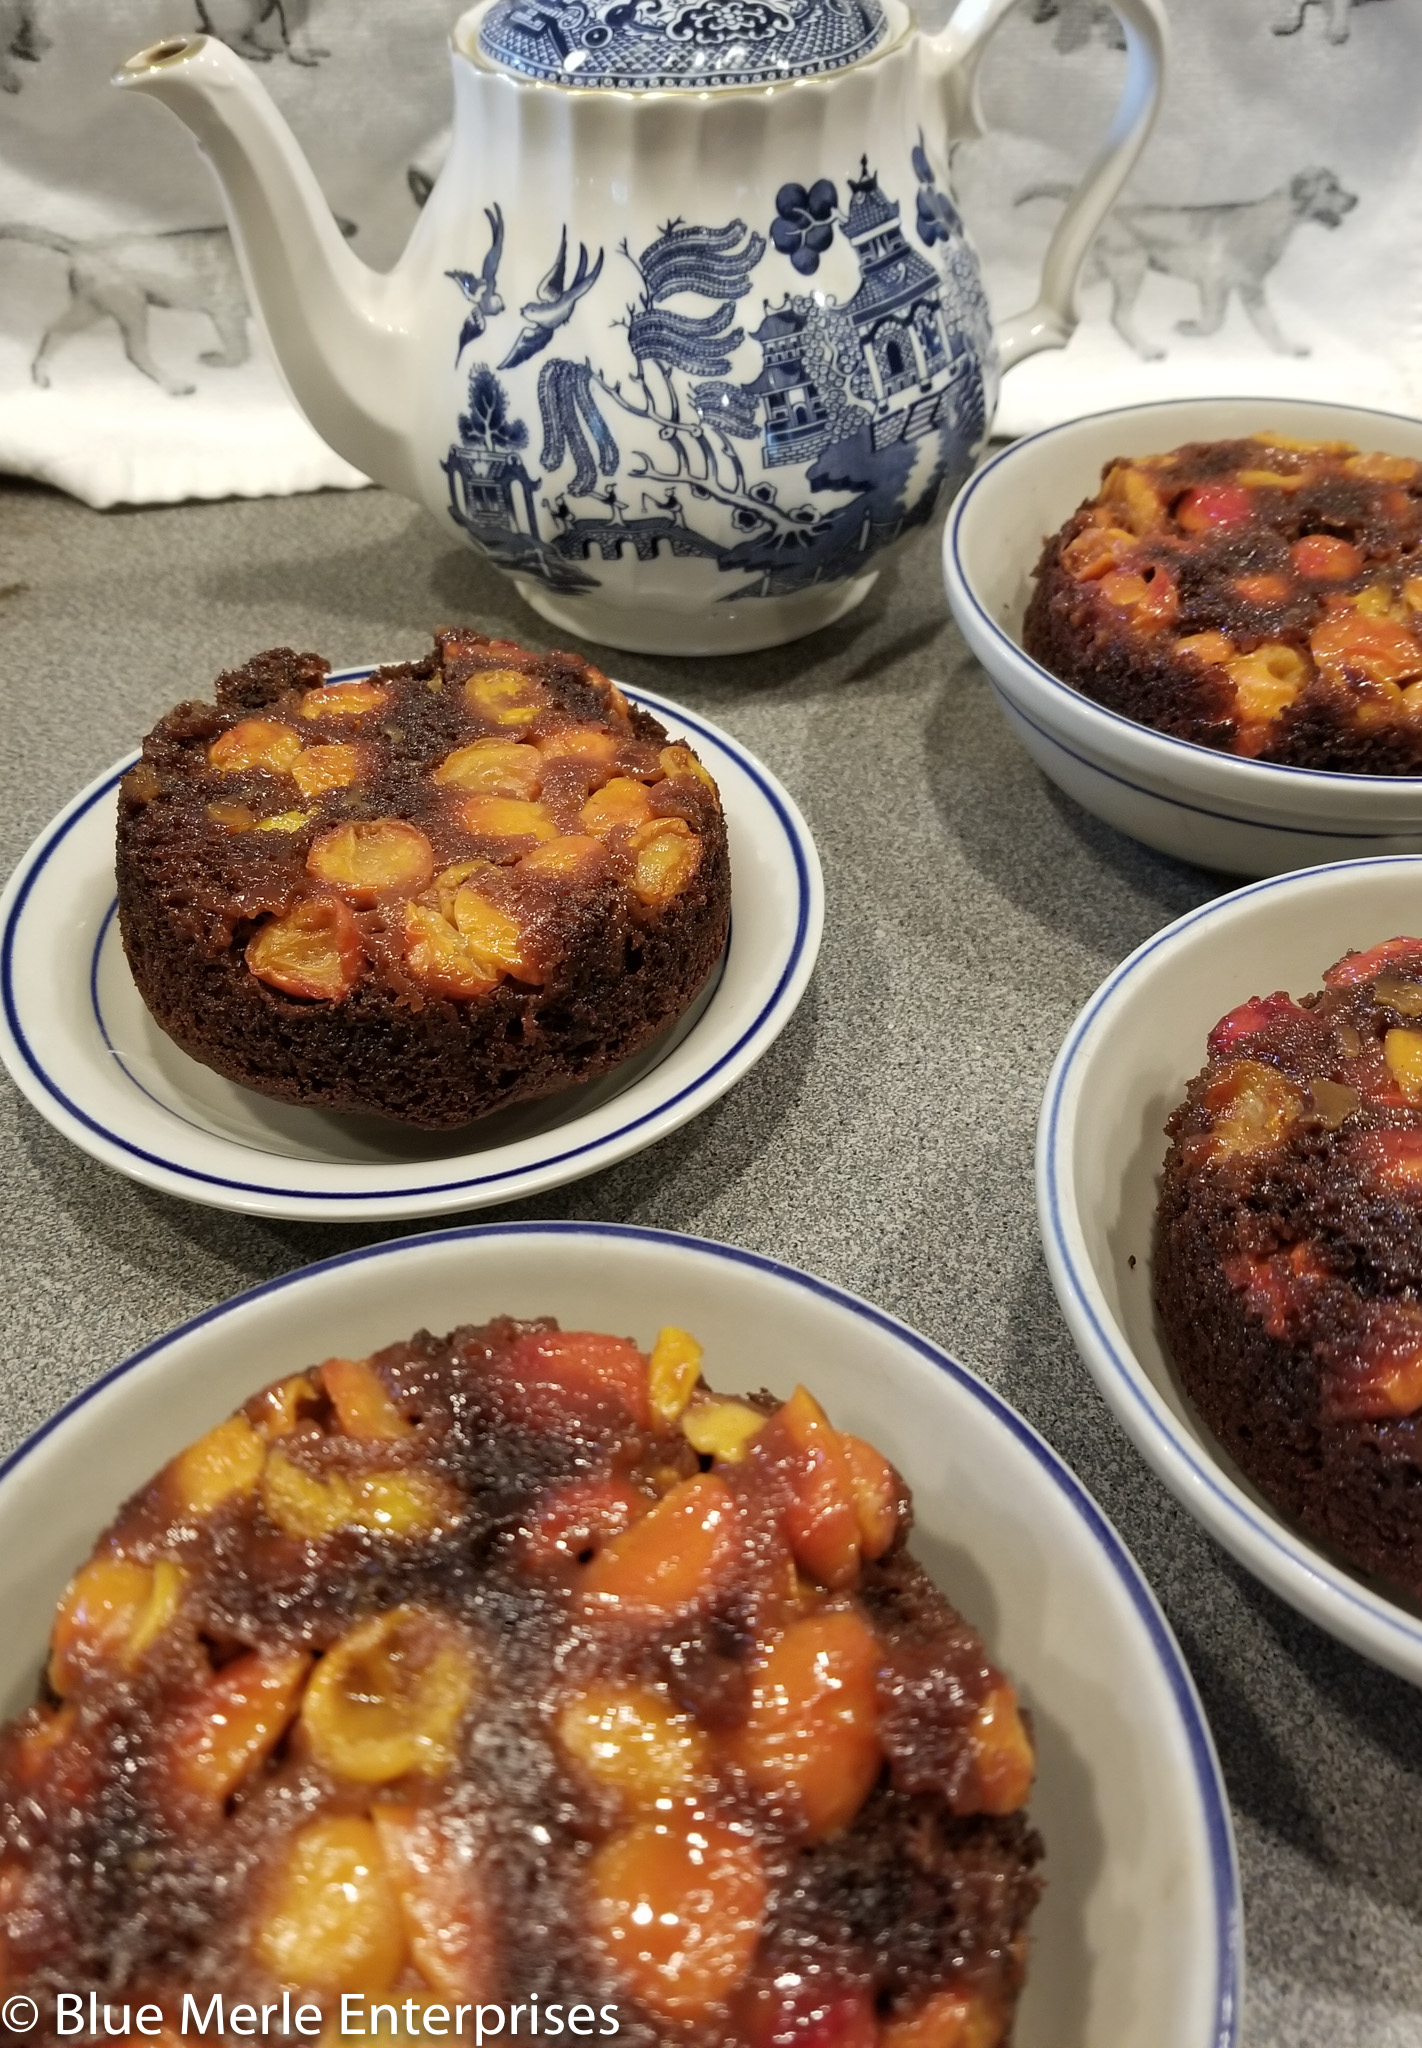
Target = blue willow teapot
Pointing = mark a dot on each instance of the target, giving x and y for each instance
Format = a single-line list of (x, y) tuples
[(689, 331)]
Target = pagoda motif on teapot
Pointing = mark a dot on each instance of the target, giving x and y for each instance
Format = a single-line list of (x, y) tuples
[(735, 411)]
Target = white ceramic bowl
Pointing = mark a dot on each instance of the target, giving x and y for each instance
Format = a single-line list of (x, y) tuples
[(1125, 1065), (1246, 817), (1137, 1942)]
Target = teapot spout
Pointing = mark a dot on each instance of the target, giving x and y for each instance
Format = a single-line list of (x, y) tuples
[(334, 324)]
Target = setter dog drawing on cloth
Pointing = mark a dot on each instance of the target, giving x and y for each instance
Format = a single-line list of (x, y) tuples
[(1220, 249)]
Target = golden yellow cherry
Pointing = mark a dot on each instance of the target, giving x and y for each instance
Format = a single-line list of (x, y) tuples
[(493, 768), (317, 769), (436, 954), (1137, 502), (286, 821), (507, 817), (225, 1463), (587, 743), (629, 1739), (388, 1698), (672, 1372), (1402, 1049), (236, 1721), (405, 1503), (332, 1921), (676, 1906), (505, 696), (364, 1408), (719, 1428), (114, 1609), (573, 857), (314, 950), (496, 940), (276, 1410), (1252, 1106), (1002, 1752), (1097, 551), (667, 854), (449, 1916), (343, 700), (1267, 681), (621, 803), (255, 743), (366, 858), (679, 760), (448, 882)]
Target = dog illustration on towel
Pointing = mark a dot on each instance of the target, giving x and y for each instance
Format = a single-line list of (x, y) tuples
[(122, 278), (22, 37), (1335, 13), (1220, 249), (239, 23)]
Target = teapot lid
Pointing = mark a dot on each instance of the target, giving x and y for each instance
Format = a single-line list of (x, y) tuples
[(666, 45)]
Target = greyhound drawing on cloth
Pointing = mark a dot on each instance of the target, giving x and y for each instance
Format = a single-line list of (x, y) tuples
[(124, 276), (22, 37), (239, 22), (1335, 13), (1219, 249)]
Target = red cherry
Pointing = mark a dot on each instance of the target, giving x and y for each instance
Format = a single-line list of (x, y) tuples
[(1249, 1019), (1217, 504)]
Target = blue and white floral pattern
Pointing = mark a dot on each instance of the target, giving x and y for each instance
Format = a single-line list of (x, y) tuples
[(783, 441), (630, 45)]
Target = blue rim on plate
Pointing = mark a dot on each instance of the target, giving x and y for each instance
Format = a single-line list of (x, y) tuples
[(1228, 1910), (1134, 725), (1298, 1554), (798, 964)]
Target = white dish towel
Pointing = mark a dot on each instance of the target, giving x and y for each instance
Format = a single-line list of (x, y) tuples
[(130, 371), (1267, 244)]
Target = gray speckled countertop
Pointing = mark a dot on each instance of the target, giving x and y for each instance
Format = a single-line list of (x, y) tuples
[(885, 1142)]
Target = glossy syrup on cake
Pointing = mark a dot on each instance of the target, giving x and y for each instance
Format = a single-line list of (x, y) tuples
[(458, 883), (1260, 596), (518, 1665), (1288, 1257)]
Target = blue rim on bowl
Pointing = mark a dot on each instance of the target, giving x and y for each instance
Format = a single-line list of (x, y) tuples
[(1191, 1466), (1210, 1799), (555, 1164), (1131, 725)]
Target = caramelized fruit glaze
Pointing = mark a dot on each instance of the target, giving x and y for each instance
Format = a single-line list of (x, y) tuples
[(1263, 596), (518, 1663), (455, 883), (1289, 1251)]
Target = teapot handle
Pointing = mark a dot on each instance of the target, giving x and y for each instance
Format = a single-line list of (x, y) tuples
[(955, 54)]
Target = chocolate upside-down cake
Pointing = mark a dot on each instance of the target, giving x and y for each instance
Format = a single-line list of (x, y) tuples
[(1262, 596), (458, 883), (1288, 1255), (516, 1666)]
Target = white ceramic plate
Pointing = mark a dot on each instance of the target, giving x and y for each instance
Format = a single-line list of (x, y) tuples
[(1247, 817), (78, 1041), (1137, 1941), (1100, 1144)]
